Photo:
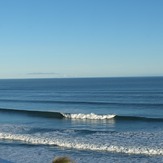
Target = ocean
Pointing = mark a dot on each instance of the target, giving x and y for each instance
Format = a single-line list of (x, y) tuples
[(91, 120)]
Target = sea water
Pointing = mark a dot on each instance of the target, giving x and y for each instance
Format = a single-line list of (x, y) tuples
[(87, 119)]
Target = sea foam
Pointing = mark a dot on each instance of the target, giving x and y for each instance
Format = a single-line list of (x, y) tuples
[(90, 116), (80, 144)]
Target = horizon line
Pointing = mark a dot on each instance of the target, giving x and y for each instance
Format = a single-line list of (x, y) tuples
[(148, 76)]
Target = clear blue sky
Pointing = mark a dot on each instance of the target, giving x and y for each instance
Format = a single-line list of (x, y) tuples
[(81, 38)]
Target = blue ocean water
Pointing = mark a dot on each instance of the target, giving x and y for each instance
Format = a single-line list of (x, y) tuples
[(88, 119)]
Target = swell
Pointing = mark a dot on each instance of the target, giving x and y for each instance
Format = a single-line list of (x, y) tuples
[(57, 115), (84, 102), (44, 114), (79, 116), (138, 118)]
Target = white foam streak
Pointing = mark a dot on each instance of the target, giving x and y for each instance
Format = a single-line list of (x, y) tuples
[(90, 116), (80, 145)]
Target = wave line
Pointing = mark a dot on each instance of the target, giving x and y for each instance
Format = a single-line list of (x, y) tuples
[(83, 102), (38, 140)]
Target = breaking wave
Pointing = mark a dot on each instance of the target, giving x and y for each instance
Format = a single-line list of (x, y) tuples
[(81, 145), (90, 116), (49, 114)]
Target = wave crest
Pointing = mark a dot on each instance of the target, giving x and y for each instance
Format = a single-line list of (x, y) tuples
[(38, 139), (90, 116)]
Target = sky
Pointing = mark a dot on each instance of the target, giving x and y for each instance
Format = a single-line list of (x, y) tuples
[(81, 38)]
